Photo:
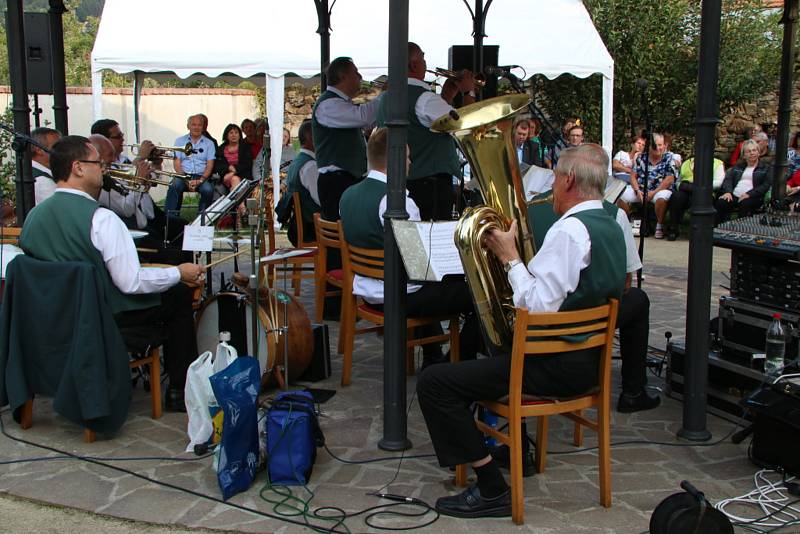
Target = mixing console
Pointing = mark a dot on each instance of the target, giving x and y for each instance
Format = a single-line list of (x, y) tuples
[(772, 234)]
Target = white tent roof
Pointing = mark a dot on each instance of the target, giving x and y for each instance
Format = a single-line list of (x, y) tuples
[(249, 37)]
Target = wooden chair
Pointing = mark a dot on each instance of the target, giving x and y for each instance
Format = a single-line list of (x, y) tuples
[(538, 334), (369, 262), (297, 266), (328, 236), (9, 235)]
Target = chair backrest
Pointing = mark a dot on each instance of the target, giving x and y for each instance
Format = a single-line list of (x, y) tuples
[(362, 261), (328, 236), (545, 333), (9, 235), (298, 222)]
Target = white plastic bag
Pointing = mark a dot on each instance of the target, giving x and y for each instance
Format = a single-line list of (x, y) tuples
[(198, 394)]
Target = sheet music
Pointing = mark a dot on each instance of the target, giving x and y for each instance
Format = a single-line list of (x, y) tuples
[(437, 241)]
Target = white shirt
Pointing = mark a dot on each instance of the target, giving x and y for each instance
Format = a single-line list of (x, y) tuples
[(555, 271), (745, 183), (371, 289), (343, 113), (624, 158), (632, 261), (308, 175), (110, 236), (430, 106), (43, 187)]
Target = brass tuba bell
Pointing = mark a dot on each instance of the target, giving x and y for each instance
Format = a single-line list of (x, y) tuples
[(484, 132)]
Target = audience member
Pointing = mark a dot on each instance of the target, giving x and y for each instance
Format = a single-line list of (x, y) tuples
[(622, 164), (745, 184), (198, 166)]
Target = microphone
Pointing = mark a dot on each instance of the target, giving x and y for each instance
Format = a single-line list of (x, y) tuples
[(109, 183), (504, 70), (641, 83)]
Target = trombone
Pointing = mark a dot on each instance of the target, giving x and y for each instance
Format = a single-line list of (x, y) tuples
[(161, 152), (125, 173), (480, 81)]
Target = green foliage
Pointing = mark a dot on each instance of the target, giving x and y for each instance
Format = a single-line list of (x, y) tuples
[(660, 41), (8, 166)]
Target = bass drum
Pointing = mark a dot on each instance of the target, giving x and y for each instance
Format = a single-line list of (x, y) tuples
[(231, 312)]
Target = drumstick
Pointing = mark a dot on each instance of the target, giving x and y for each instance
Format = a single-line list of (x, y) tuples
[(226, 258)]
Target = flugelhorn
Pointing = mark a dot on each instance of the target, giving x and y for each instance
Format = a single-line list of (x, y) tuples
[(126, 174), (480, 81), (161, 152)]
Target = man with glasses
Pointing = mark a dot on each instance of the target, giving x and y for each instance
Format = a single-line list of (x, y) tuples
[(72, 226), (109, 128), (44, 185)]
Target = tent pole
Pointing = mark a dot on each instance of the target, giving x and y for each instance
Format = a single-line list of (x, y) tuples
[(395, 436), (60, 107), (789, 22), (324, 31), (700, 240), (22, 119), (137, 95)]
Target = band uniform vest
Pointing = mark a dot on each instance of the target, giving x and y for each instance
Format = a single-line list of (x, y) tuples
[(293, 185), (359, 211), (342, 147)]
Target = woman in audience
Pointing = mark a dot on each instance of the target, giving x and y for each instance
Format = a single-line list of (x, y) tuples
[(745, 184), (622, 164), (234, 160), (250, 137)]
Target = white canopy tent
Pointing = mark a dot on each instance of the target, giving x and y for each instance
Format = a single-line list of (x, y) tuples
[(247, 38)]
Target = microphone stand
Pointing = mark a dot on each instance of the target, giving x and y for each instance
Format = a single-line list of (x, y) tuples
[(255, 221), (555, 133), (648, 137)]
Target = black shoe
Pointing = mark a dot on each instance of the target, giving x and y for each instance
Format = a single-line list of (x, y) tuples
[(672, 236), (502, 455), (471, 504), (628, 403), (174, 401)]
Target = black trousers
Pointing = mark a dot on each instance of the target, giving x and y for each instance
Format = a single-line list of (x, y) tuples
[(679, 202), (330, 187), (433, 196), (633, 321), (745, 207), (447, 391), (175, 315)]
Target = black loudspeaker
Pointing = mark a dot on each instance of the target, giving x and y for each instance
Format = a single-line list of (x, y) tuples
[(320, 367), (460, 57), (38, 53)]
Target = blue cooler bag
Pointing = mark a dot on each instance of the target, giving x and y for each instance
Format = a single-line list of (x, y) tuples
[(236, 389), (293, 435)]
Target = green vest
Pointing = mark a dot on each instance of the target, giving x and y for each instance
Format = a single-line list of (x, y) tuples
[(59, 229), (541, 216), (604, 277), (293, 185), (431, 152), (342, 147), (359, 211)]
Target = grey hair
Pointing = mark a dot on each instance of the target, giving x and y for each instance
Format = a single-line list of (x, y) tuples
[(759, 136), (589, 164), (749, 143)]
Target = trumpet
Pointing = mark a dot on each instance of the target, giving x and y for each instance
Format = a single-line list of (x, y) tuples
[(480, 81), (161, 152), (126, 175)]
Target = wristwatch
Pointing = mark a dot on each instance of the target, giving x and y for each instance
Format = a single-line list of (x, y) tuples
[(510, 265)]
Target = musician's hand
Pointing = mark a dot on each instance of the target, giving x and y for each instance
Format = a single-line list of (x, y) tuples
[(503, 244), (143, 169), (727, 197), (145, 149), (232, 169), (466, 82), (192, 275), (449, 91)]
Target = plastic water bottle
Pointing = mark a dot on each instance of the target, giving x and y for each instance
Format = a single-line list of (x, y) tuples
[(775, 348)]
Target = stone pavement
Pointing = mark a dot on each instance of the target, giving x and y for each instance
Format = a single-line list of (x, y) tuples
[(648, 460)]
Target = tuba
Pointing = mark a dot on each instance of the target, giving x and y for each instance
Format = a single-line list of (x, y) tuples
[(484, 133)]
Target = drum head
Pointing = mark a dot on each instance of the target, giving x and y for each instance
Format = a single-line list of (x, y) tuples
[(232, 312)]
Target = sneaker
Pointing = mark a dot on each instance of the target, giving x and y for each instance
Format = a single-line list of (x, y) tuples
[(659, 233), (628, 403), (471, 504)]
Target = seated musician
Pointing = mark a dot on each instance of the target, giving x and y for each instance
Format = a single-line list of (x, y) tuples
[(43, 185), (71, 226), (580, 265), (137, 209), (362, 208), (301, 177)]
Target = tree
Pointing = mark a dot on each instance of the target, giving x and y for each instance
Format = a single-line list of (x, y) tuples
[(659, 41)]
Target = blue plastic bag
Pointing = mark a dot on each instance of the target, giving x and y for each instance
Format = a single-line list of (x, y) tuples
[(236, 389)]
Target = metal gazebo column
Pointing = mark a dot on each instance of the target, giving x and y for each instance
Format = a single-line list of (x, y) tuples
[(478, 32), (789, 22), (19, 90), (702, 223), (394, 341), (60, 107), (324, 31)]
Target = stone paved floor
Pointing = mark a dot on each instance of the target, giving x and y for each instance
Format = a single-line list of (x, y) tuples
[(562, 499)]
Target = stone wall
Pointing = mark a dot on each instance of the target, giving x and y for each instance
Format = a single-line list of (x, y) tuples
[(299, 101)]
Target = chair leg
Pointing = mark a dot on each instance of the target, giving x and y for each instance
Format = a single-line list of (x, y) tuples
[(461, 475), (454, 345), (541, 444), (26, 415), (347, 331), (515, 464), (89, 436), (577, 433), (604, 450), (155, 383), (411, 368)]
